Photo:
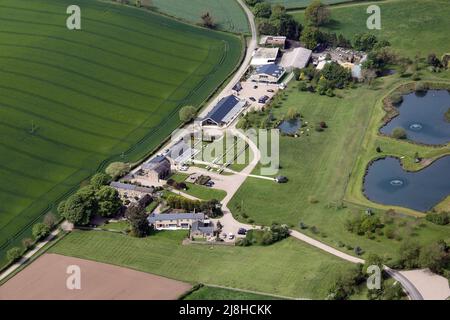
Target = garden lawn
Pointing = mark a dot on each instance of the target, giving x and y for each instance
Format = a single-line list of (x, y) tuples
[(227, 14), (72, 101), (411, 26), (204, 193), (318, 168), (289, 268)]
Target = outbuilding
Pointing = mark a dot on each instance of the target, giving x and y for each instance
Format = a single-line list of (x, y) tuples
[(274, 41), (265, 56), (157, 168), (225, 111), (174, 221), (298, 58), (268, 73)]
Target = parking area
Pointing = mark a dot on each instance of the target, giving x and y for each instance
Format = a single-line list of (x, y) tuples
[(252, 90)]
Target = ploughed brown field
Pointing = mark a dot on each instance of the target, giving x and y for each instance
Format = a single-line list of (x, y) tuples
[(45, 279)]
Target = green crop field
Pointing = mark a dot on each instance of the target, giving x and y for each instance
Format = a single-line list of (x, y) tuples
[(411, 26), (294, 4), (227, 14), (71, 101), (289, 268)]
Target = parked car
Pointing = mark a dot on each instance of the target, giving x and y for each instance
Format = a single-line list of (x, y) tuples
[(255, 87), (270, 90), (224, 235), (253, 99), (209, 183), (184, 168), (263, 99), (281, 179), (242, 232), (230, 236)]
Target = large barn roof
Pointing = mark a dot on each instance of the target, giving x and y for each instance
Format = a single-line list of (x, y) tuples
[(225, 110), (297, 58)]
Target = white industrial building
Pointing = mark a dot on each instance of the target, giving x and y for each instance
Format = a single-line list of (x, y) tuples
[(265, 56), (296, 59)]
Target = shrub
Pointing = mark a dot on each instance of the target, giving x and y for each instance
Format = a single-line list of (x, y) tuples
[(330, 92), (346, 283), (100, 179), (138, 221), (50, 220), (187, 113), (14, 254), (409, 253), (421, 87), (314, 230), (117, 169), (40, 231), (312, 200), (363, 224), (399, 133), (318, 128), (396, 98), (415, 76), (302, 86), (108, 200), (439, 218), (358, 251), (27, 243), (447, 115), (435, 256)]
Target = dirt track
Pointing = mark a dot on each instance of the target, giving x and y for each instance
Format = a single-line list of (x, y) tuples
[(45, 279)]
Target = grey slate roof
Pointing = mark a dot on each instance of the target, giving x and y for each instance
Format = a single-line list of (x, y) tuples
[(160, 164), (174, 216), (200, 226)]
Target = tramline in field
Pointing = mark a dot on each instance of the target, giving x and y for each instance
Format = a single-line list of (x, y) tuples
[(71, 101)]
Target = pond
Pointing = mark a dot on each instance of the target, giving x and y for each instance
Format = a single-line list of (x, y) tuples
[(388, 183), (290, 126), (422, 116)]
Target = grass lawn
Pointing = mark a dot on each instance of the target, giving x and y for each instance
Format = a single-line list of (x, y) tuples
[(116, 226), (213, 293), (411, 26), (71, 101), (227, 14), (318, 167), (204, 193), (289, 268)]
